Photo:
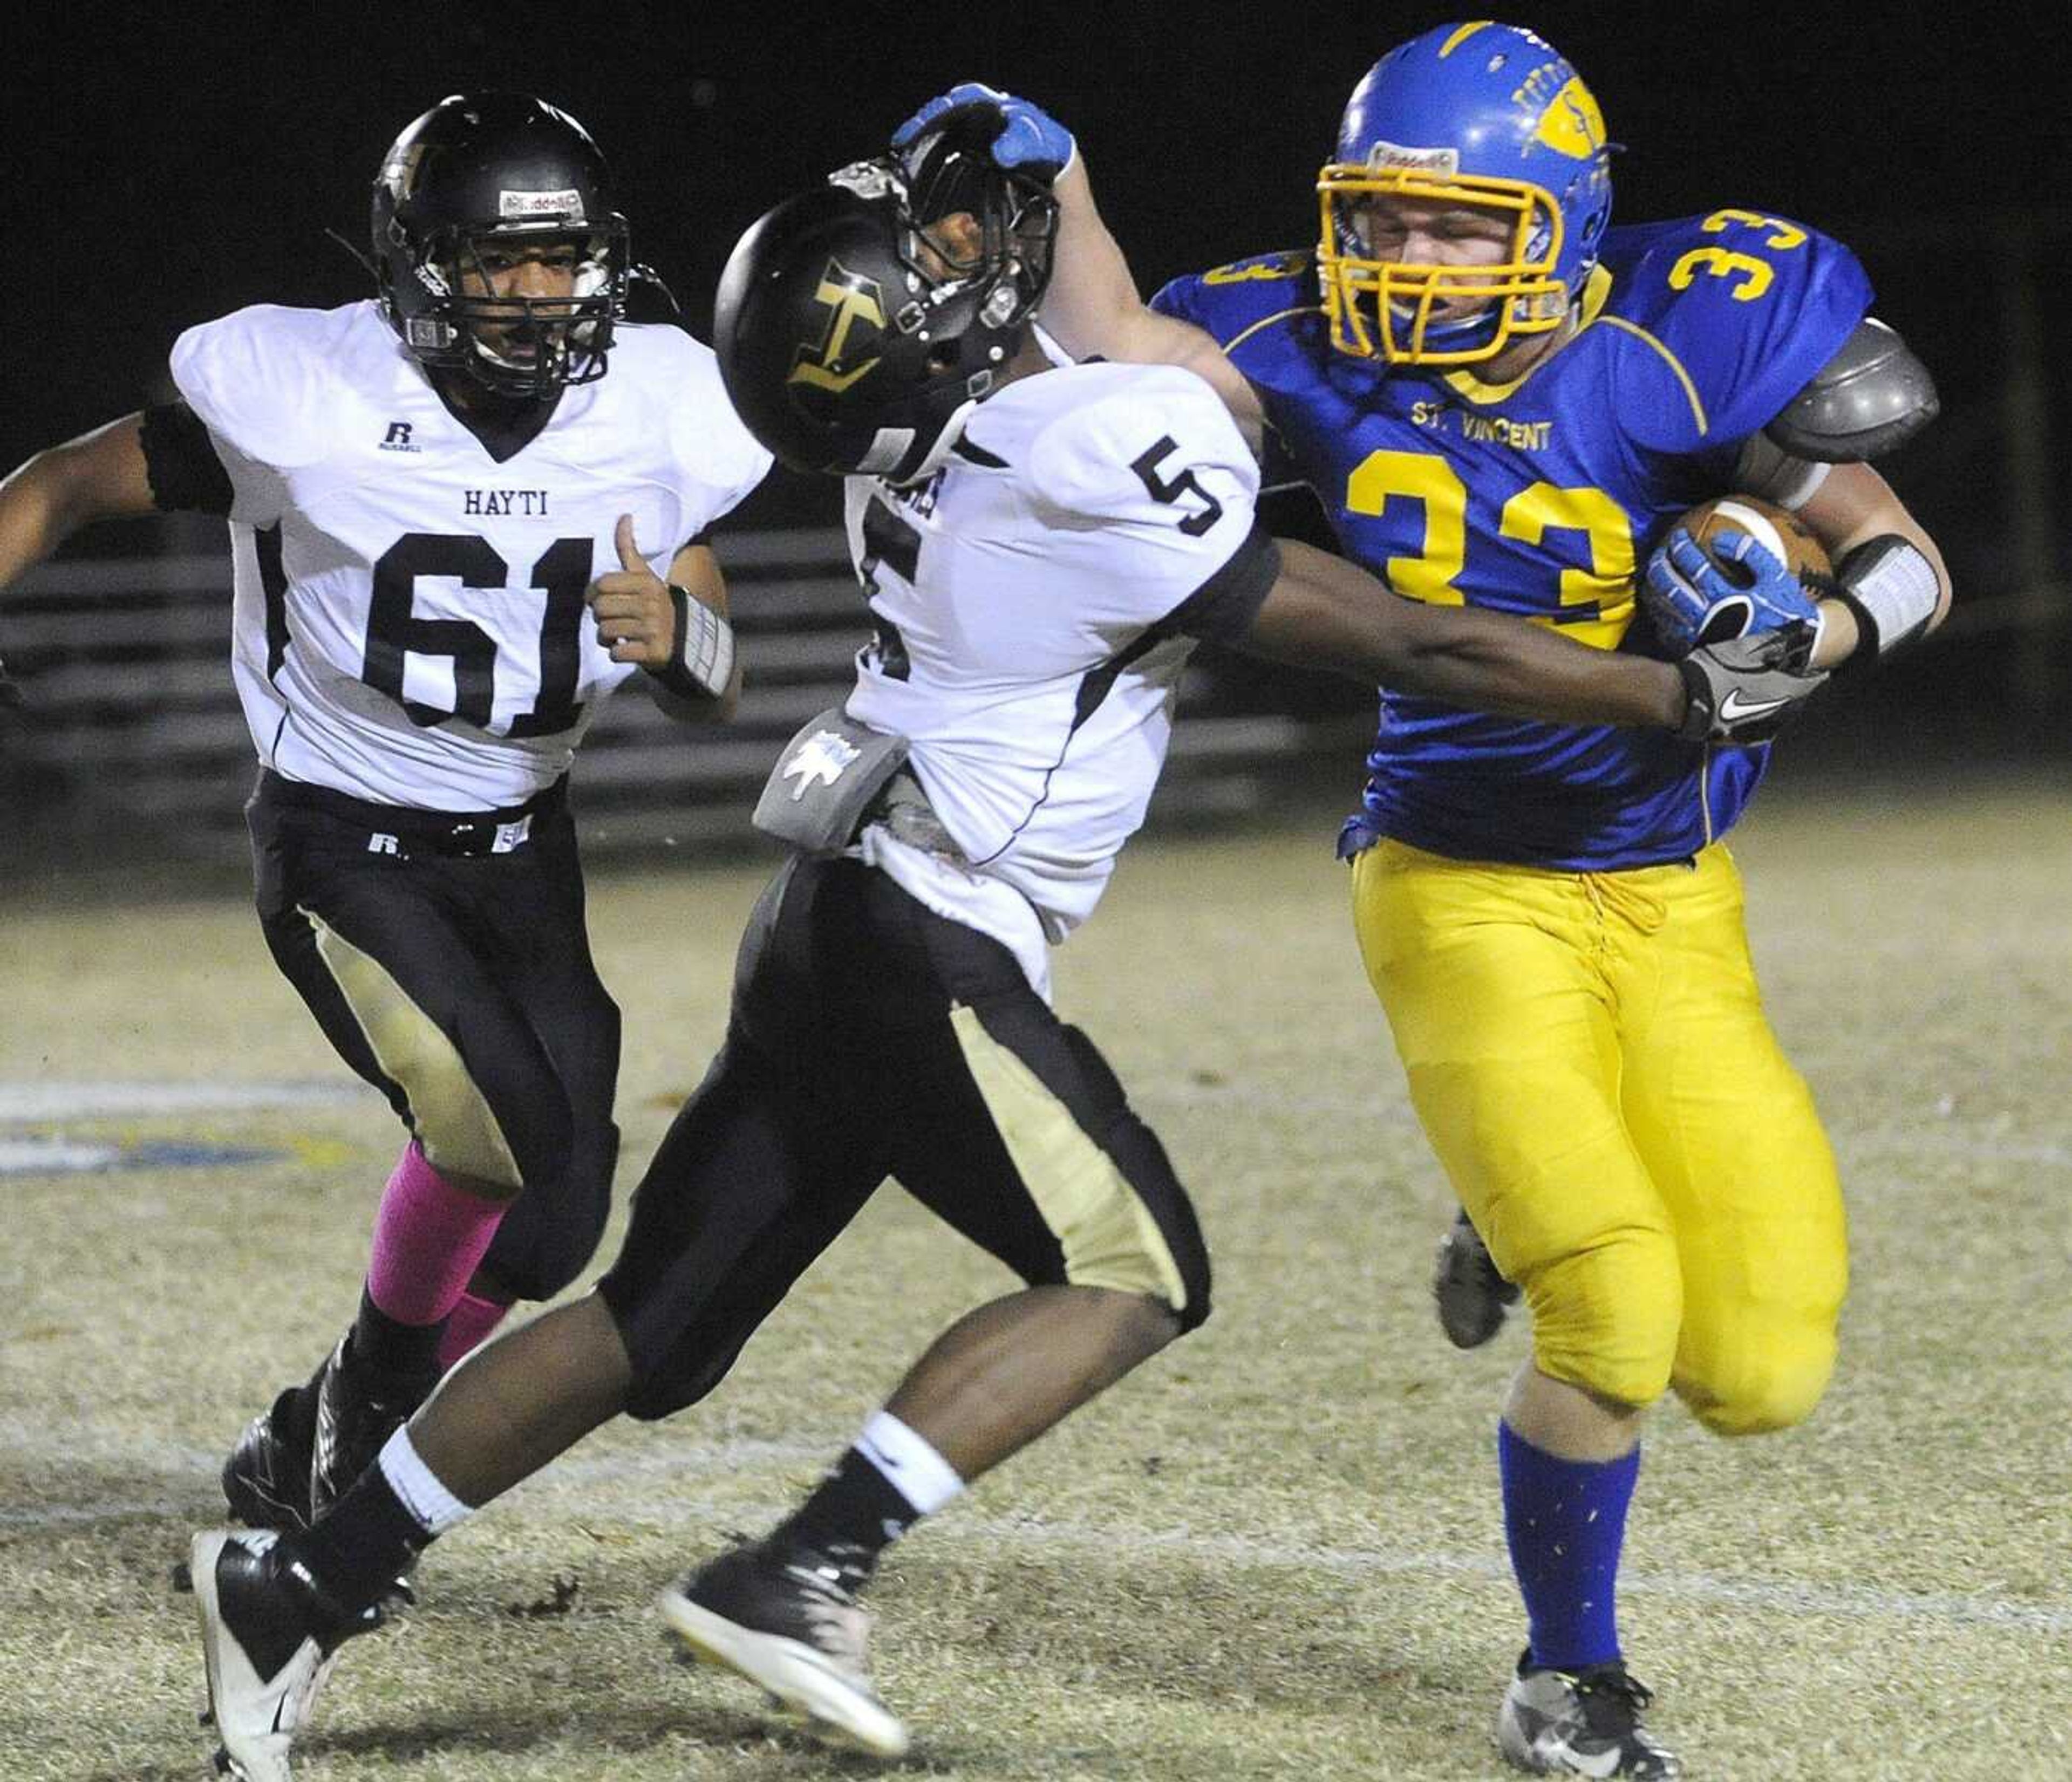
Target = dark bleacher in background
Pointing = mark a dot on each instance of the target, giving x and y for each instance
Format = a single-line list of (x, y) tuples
[(132, 719)]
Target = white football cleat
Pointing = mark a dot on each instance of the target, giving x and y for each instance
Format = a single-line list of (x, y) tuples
[(1584, 1722), (268, 1638), (793, 1631)]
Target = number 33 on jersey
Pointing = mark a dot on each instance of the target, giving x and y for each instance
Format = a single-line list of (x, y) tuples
[(1542, 498), (410, 624)]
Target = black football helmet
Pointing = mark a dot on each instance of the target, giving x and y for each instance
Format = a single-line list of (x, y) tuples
[(481, 170), (855, 339)]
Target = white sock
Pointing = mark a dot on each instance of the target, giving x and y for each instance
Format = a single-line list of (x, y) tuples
[(417, 1487), (911, 1465)]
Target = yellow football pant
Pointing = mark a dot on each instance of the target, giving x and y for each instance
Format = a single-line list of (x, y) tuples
[(1589, 1055)]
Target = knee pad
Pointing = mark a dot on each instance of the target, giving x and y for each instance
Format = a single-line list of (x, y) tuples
[(1606, 1317), (552, 1231), (1772, 1382)]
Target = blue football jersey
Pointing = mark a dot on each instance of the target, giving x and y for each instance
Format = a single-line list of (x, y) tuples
[(1542, 498)]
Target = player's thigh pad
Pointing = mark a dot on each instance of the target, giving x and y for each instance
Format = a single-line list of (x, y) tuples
[(1492, 979), (550, 1233), (997, 1117), (1731, 1137), (1018, 1134), (385, 955)]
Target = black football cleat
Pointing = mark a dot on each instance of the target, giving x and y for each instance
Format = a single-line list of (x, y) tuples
[(1471, 1297), (357, 1410), (266, 1479), (269, 1637), (789, 1626)]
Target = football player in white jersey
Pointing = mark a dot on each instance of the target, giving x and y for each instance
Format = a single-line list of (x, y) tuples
[(461, 514), (1041, 549)]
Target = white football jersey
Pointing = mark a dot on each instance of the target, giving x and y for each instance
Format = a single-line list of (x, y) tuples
[(409, 623), (1030, 636)]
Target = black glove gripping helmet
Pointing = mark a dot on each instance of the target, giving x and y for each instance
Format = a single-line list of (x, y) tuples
[(486, 167), (850, 341)]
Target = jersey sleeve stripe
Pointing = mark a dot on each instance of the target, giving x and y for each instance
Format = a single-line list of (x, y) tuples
[(273, 585), (1675, 365), (180, 461), (1243, 334), (1223, 609)]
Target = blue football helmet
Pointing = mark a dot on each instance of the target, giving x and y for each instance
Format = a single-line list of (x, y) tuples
[(1481, 115)]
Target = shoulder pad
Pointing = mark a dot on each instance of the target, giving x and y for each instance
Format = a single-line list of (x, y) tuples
[(1737, 310), (1227, 300), (1103, 459), (671, 379), (1872, 397), (261, 379)]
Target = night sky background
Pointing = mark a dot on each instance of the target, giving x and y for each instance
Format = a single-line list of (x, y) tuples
[(169, 166)]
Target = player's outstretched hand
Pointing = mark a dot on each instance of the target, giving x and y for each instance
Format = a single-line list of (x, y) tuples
[(1743, 689), (1698, 596), (637, 617), (1021, 136)]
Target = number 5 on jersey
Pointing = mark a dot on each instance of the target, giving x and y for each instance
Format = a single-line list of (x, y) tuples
[(1146, 465)]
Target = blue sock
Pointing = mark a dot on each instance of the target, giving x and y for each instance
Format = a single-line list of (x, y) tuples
[(1565, 1522)]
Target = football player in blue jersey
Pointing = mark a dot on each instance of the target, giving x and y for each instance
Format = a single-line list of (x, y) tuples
[(1502, 401)]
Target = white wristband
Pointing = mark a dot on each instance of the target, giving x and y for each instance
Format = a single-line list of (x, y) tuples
[(705, 649), (1892, 590)]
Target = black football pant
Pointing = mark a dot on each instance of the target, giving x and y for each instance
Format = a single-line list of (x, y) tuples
[(871, 1036), (457, 980)]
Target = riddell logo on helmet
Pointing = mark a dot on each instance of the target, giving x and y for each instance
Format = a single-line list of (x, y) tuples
[(567, 204), (1394, 155)]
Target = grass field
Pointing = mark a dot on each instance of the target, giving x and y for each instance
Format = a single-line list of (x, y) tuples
[(1277, 1553)]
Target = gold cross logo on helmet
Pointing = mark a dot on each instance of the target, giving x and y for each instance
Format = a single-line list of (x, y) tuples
[(852, 298)]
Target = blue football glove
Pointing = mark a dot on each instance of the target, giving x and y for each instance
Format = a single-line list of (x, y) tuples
[(1696, 598), (1023, 138)]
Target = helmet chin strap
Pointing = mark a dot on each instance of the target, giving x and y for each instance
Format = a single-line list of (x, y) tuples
[(1461, 332), (1466, 331), (516, 367)]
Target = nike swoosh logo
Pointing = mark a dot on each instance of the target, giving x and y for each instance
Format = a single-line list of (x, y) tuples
[(1734, 708)]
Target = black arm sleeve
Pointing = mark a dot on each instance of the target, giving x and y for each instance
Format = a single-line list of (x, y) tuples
[(1222, 609), (186, 476)]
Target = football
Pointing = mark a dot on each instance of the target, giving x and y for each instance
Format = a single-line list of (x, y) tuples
[(1778, 530)]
